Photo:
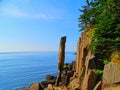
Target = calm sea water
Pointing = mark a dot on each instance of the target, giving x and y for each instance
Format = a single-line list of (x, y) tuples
[(20, 69)]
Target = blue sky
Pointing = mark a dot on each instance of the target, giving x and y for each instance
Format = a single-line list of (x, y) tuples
[(38, 25)]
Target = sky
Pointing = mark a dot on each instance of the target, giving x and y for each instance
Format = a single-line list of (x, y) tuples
[(38, 25)]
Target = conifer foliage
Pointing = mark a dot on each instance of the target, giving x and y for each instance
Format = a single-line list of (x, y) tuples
[(104, 17)]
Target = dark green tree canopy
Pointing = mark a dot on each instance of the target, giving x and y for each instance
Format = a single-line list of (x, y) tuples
[(104, 17)]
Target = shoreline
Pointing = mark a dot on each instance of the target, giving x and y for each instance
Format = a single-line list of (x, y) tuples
[(51, 79)]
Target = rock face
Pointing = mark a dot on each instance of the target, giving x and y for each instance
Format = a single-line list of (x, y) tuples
[(111, 75), (89, 80), (82, 51), (75, 84), (85, 65), (81, 74), (61, 58), (61, 55)]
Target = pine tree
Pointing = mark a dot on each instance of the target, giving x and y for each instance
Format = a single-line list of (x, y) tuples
[(104, 17)]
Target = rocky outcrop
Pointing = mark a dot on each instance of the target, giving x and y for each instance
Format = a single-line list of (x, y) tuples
[(111, 75), (50, 77), (85, 65), (61, 58), (89, 80), (61, 54), (35, 86), (81, 74), (74, 84)]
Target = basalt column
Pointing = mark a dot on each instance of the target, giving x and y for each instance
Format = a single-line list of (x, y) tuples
[(61, 58)]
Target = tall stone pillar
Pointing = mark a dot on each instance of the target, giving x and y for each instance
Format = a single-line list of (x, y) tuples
[(61, 55), (61, 58)]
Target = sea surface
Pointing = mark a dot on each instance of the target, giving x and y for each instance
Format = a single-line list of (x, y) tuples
[(20, 69)]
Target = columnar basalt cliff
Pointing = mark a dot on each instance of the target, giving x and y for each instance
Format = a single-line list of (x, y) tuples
[(81, 74), (84, 78)]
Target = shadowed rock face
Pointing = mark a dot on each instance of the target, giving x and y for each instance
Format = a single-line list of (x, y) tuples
[(98, 86), (89, 80)]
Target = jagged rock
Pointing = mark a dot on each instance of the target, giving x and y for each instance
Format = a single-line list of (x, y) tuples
[(50, 87), (98, 86), (49, 77), (64, 80), (70, 73), (111, 73), (89, 62), (82, 50), (73, 65), (75, 84), (83, 54), (85, 62), (89, 80), (35, 86), (44, 84), (67, 66)]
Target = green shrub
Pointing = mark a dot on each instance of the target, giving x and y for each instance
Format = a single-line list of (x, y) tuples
[(106, 61), (99, 72)]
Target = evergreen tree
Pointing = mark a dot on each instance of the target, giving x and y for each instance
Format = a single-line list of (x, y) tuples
[(104, 17)]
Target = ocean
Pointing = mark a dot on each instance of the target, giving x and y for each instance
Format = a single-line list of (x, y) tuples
[(21, 69)]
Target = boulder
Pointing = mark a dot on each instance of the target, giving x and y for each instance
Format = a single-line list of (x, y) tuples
[(50, 87), (75, 84), (49, 77), (44, 84), (35, 86), (111, 73)]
